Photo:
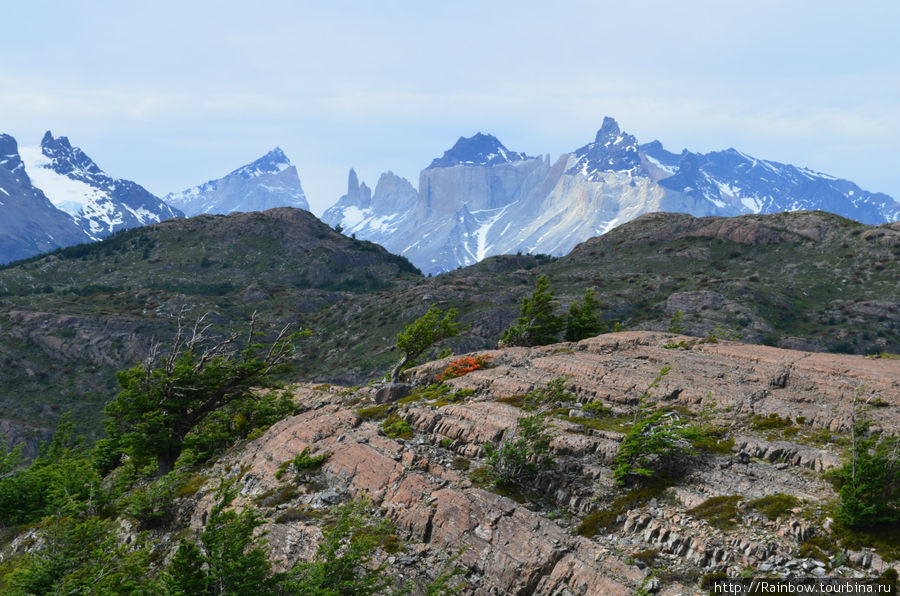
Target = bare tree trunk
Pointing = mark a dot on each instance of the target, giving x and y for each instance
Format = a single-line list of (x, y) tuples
[(395, 374)]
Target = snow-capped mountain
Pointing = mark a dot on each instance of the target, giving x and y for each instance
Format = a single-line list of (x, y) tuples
[(98, 203), (29, 223), (270, 181), (481, 199)]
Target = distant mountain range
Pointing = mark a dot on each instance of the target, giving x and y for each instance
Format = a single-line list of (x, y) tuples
[(477, 200), (481, 199), (54, 195)]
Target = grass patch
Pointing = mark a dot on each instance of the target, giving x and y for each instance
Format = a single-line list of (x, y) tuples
[(719, 512), (391, 544), (460, 463), (619, 424), (712, 439), (276, 496), (297, 514), (648, 557), (774, 506), (453, 398), (771, 422), (606, 519), (513, 400), (192, 486), (374, 412), (481, 476), (817, 547)]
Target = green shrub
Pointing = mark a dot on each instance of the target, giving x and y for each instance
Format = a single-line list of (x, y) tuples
[(656, 439), (596, 408), (523, 453), (302, 462), (397, 428), (771, 422), (676, 323), (553, 393)]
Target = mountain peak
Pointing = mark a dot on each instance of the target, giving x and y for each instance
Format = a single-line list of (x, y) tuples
[(478, 150), (612, 150), (66, 159), (271, 163), (609, 131)]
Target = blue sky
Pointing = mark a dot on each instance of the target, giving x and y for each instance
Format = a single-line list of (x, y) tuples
[(172, 94)]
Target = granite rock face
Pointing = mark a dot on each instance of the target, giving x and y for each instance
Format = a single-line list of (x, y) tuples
[(530, 545)]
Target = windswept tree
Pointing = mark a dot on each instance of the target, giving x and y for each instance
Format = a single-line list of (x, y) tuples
[(583, 319), (536, 325), (165, 397), (421, 334)]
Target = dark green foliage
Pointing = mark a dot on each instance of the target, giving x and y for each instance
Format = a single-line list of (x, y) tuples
[(709, 580), (536, 325), (81, 556), (870, 491), (342, 564), (60, 481), (153, 504), (523, 453), (597, 521), (186, 574), (583, 318), (236, 420), (163, 400), (421, 334), (712, 439), (231, 560)]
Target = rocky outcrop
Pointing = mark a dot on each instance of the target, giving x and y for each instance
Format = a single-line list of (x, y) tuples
[(529, 545)]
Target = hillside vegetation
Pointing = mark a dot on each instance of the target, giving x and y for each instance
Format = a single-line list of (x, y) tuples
[(70, 319)]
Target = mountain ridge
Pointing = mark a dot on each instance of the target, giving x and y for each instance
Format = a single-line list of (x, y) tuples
[(469, 207)]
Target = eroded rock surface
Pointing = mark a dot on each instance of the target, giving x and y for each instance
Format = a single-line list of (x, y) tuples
[(531, 545)]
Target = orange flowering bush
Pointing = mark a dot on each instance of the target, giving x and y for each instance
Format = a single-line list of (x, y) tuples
[(465, 365)]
